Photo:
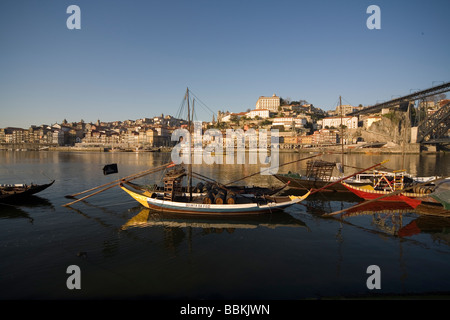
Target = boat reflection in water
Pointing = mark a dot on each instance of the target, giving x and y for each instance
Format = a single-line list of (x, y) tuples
[(16, 210), (387, 217), (149, 218), (437, 227), (12, 212), (401, 220), (33, 202)]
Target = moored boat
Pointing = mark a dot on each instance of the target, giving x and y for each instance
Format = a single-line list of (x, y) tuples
[(368, 192), (320, 175), (297, 181), (13, 192), (219, 200), (242, 206), (442, 194)]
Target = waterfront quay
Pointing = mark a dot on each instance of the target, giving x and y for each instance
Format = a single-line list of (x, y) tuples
[(283, 148)]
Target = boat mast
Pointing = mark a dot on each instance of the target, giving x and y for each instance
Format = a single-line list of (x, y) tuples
[(190, 151), (342, 135)]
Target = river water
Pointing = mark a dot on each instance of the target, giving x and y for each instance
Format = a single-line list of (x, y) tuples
[(126, 252)]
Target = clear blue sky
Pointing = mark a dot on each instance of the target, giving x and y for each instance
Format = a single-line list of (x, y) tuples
[(134, 59)]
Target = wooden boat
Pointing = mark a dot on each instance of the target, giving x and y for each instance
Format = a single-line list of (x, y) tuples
[(220, 201), (442, 194), (242, 205), (297, 181), (320, 174), (368, 192), (13, 192)]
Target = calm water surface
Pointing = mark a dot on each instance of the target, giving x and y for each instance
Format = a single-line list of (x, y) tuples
[(131, 252)]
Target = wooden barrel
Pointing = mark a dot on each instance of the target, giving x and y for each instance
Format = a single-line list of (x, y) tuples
[(220, 197), (423, 189), (209, 198), (231, 197)]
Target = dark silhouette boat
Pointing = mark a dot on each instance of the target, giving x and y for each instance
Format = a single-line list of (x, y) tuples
[(14, 192)]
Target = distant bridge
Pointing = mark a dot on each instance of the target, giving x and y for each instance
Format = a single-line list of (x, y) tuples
[(435, 126), (398, 102), (431, 130)]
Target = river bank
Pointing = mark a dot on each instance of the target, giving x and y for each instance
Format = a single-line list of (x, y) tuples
[(381, 148), (409, 149)]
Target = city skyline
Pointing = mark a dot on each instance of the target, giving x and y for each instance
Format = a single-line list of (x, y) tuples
[(135, 61)]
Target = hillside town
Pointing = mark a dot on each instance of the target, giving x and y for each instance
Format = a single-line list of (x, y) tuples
[(299, 124)]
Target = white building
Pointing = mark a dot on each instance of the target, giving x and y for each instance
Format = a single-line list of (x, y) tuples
[(349, 122), (232, 116), (270, 103), (261, 113), (289, 121)]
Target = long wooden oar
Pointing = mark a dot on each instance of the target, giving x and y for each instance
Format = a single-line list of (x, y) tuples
[(88, 196), (117, 182), (121, 179), (347, 177), (284, 164), (384, 196), (107, 188)]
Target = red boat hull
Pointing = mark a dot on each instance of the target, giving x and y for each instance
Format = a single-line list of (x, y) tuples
[(410, 199)]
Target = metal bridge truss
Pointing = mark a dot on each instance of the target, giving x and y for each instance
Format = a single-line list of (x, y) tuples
[(402, 101), (435, 126)]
